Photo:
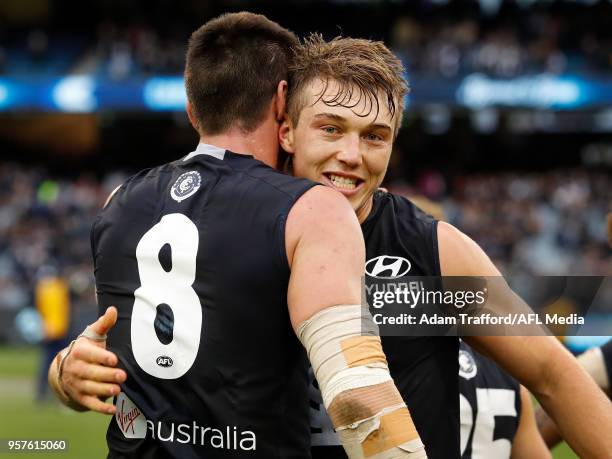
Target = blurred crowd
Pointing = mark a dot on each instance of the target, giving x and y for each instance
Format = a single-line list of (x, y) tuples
[(44, 228), (547, 223), (446, 44), (542, 224), (538, 42)]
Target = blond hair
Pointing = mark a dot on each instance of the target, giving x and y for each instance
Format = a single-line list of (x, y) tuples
[(349, 64)]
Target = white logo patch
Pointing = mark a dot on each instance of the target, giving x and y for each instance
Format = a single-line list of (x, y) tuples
[(129, 418), (186, 185), (388, 265), (467, 365)]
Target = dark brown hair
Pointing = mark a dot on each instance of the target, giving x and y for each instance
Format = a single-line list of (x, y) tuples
[(233, 67), (349, 64)]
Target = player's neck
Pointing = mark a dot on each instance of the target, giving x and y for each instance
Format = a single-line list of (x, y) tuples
[(262, 143), (364, 211)]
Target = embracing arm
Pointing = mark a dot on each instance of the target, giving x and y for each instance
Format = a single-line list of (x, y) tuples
[(325, 250), (87, 369), (580, 409), (594, 363), (528, 443), (82, 376)]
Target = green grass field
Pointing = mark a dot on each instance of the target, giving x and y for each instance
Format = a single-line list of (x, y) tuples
[(22, 418)]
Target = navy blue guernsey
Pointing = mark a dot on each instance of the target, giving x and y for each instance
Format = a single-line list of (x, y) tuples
[(490, 406), (424, 369), (192, 253)]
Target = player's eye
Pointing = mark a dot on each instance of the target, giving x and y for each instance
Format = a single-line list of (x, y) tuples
[(374, 137), (330, 129)]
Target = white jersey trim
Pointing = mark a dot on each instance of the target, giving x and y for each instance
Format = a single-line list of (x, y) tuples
[(205, 149)]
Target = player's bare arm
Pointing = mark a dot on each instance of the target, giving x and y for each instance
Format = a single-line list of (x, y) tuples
[(326, 252), (541, 363), (528, 443), (594, 364)]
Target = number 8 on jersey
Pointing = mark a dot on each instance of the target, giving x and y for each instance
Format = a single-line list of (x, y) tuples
[(169, 294)]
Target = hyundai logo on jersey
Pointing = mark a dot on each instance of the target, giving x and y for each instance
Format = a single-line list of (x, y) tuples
[(387, 267)]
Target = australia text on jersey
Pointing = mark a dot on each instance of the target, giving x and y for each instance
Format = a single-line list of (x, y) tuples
[(133, 424)]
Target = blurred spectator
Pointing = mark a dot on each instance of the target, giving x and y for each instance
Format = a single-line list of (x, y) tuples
[(534, 224), (44, 221), (52, 298)]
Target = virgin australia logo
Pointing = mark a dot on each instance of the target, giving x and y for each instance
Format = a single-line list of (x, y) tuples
[(387, 267), (186, 185), (129, 418)]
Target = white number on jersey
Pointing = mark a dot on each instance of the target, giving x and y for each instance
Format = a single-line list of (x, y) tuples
[(173, 288), (491, 403)]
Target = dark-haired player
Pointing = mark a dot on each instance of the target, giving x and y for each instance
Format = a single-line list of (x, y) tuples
[(211, 260)]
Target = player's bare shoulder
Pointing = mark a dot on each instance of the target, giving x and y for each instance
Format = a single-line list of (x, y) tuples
[(318, 213), (460, 255), (324, 244)]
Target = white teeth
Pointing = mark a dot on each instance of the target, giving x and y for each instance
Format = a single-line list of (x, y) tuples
[(345, 183)]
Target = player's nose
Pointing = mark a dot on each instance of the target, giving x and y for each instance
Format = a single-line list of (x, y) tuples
[(350, 151)]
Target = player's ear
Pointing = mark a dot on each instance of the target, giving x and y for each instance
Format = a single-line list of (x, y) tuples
[(281, 100), (192, 118), (285, 135)]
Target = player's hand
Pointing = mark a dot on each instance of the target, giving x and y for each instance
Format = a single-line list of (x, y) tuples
[(89, 375)]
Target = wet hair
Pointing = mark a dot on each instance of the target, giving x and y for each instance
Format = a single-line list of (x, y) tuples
[(347, 65)]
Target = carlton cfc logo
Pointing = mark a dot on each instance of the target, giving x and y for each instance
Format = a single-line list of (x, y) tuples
[(387, 267), (467, 365), (186, 185)]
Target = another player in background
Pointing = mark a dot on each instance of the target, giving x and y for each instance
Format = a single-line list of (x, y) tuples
[(210, 261), (497, 415), (344, 111), (504, 422), (597, 362)]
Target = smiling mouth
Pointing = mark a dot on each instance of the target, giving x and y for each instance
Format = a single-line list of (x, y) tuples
[(344, 183)]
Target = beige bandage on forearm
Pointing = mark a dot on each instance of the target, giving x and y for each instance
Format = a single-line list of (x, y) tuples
[(367, 411)]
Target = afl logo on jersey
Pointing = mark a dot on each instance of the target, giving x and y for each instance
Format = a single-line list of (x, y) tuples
[(186, 185), (164, 361), (387, 267), (467, 365)]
